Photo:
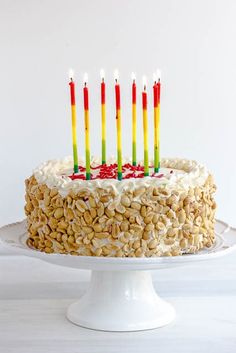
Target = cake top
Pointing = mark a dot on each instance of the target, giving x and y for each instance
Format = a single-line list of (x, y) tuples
[(174, 173)]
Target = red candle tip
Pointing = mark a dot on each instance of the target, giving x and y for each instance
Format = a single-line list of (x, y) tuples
[(72, 92), (86, 98), (134, 92), (103, 92), (155, 95), (144, 100), (117, 91)]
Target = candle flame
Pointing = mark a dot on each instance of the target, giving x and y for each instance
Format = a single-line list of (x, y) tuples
[(133, 76), (144, 83), (71, 74), (154, 77), (102, 74), (158, 73), (85, 78), (116, 75)]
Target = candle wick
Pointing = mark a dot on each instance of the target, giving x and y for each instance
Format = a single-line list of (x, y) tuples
[(159, 80), (144, 87), (85, 84), (71, 79), (116, 80), (102, 79), (134, 80)]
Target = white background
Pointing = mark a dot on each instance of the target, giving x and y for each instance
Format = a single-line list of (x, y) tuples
[(193, 42)]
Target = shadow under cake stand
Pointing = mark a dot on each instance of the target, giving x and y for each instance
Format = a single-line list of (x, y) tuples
[(120, 296)]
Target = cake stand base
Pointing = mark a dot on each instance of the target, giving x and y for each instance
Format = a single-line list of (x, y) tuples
[(121, 301)]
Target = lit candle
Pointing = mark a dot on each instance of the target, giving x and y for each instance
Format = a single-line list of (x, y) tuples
[(118, 126), (134, 121), (145, 127), (87, 128), (157, 93), (73, 118), (103, 114), (156, 124)]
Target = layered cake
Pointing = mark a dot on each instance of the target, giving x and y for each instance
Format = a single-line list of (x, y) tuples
[(168, 213)]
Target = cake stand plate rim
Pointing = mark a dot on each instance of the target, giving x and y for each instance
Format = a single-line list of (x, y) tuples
[(12, 237)]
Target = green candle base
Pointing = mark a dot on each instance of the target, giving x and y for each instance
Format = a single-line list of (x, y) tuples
[(76, 168), (119, 175), (104, 151), (156, 170), (134, 163), (146, 174), (134, 154), (88, 176)]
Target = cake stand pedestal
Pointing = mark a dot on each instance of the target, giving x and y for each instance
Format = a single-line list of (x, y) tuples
[(121, 301), (121, 296)]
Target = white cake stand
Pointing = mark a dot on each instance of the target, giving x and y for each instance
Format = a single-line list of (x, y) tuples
[(121, 296)]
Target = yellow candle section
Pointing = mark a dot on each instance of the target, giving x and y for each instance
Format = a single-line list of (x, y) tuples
[(156, 138), (119, 144), (145, 137), (103, 112), (87, 143), (74, 139), (134, 134)]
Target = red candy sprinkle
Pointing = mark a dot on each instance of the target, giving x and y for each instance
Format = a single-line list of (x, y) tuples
[(77, 176), (105, 171)]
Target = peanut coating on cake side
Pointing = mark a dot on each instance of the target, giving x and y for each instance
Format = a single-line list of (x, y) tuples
[(145, 222)]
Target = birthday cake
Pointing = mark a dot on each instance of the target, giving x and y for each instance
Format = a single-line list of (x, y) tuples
[(168, 213)]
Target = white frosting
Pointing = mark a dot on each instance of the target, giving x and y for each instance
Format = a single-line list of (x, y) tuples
[(186, 174)]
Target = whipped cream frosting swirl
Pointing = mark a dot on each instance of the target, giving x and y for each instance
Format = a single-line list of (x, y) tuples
[(186, 174)]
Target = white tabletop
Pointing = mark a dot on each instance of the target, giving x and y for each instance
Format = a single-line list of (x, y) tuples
[(34, 296)]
